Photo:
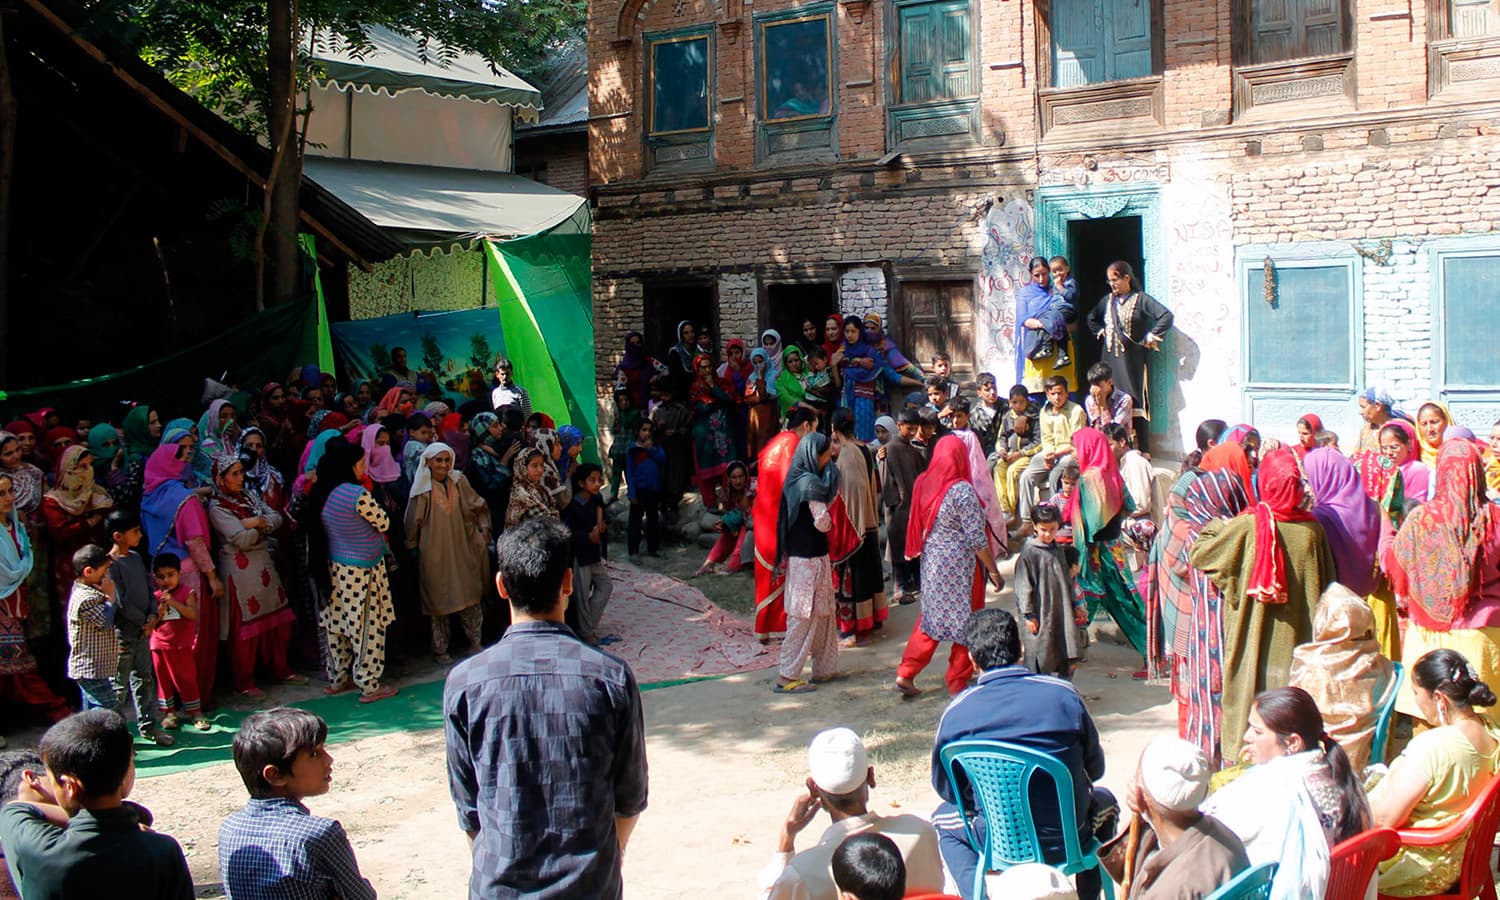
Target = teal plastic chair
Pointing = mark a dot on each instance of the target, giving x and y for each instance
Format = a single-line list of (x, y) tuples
[(1000, 774), (1252, 884), (1387, 712)]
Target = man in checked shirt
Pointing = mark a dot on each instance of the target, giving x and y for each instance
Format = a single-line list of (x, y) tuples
[(546, 739)]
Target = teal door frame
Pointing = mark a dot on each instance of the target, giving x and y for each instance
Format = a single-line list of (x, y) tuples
[(1057, 205)]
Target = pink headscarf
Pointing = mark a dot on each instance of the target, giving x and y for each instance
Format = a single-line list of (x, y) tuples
[(984, 486), (379, 464)]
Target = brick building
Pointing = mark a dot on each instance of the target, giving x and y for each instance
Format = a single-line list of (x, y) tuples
[(1312, 186)]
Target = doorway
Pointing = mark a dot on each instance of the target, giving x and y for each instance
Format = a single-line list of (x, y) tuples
[(667, 303), (788, 304), (1092, 245)]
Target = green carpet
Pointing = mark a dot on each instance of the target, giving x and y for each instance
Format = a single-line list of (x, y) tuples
[(418, 707)]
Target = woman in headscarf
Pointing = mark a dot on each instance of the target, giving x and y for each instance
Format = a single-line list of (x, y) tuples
[(1351, 522), (19, 679), (947, 530), (1096, 510), (833, 334), (1396, 476), (1270, 563), (54, 442), (791, 384), (74, 512), (104, 446), (350, 525), (1307, 435), (1445, 562), (1044, 318), (760, 402), (448, 525), (734, 373), (1130, 324), (1376, 407), (1184, 607), (858, 581), (175, 521), (1432, 420), (489, 465), (570, 440), (681, 358), (29, 485), (713, 448), (260, 476), (218, 432), (859, 368), (528, 498), (258, 624), (1343, 669), (546, 441), (637, 371), (812, 484), (984, 488), (142, 430), (897, 361), (770, 578), (364, 397)]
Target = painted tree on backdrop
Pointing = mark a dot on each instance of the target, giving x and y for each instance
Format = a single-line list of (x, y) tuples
[(247, 60)]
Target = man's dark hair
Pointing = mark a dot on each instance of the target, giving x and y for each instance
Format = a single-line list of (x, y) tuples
[(929, 417), (274, 737), (93, 746), (89, 556), (512, 417), (534, 420), (817, 353), (580, 473), (870, 867), (910, 417), (1326, 438), (12, 764), (937, 381), (959, 404), (417, 420), (985, 378), (166, 560), (940, 355), (1116, 432), (1019, 390), (842, 421), (799, 416), (120, 521), (1055, 381), (1045, 512), (534, 555), (1100, 372), (993, 638)]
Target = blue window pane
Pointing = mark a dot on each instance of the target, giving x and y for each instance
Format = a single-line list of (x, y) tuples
[(795, 59), (679, 81), (1471, 297), (1304, 338)]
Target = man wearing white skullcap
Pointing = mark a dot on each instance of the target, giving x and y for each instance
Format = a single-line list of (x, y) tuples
[(839, 780), (1183, 854)]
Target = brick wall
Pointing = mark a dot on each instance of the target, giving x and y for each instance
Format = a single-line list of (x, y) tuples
[(862, 290), (739, 308)]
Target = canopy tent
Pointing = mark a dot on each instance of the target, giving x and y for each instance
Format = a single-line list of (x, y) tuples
[(396, 62), (432, 205)]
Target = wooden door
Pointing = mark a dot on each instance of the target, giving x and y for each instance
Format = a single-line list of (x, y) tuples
[(939, 316)]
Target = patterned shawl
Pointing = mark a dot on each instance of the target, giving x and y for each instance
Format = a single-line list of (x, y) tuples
[(27, 479), (1280, 500), (1198, 497), (75, 491), (948, 465), (1099, 483), (1439, 546)]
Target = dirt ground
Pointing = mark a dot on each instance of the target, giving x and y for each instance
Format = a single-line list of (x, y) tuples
[(726, 760)]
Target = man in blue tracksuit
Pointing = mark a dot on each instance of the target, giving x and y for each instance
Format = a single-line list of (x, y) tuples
[(1038, 712)]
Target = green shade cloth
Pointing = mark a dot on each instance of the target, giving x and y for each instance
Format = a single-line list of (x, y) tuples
[(395, 63), (425, 205), (324, 335), (419, 707)]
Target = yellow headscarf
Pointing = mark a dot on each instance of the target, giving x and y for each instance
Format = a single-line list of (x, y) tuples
[(1430, 451)]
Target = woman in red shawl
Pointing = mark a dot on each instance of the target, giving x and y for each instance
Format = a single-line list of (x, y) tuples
[(1307, 435), (1271, 564), (775, 460), (29, 438), (712, 401), (1446, 562), (74, 512), (947, 530), (734, 373), (1096, 510)]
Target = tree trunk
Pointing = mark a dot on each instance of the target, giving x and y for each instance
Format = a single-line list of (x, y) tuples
[(283, 257), (8, 111)]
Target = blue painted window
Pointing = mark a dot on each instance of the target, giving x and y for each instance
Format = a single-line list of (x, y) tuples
[(679, 84), (1304, 337), (935, 51), (1471, 295), (1094, 41)]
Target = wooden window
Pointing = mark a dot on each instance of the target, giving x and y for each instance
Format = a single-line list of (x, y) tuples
[(938, 316), (936, 49), (1473, 18), (796, 75), (1282, 30), (1096, 41), (1469, 287), (1302, 334), (679, 85)]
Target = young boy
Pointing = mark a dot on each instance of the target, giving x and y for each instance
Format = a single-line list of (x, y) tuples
[(72, 833), (986, 416), (1104, 405), (868, 866), (1048, 599), (902, 462), (1015, 445), (172, 645), (274, 847), (942, 368), (627, 417), (135, 617), (420, 433), (938, 395), (93, 648), (1056, 422), (584, 517), (958, 414), (821, 391), (1065, 287), (644, 466)]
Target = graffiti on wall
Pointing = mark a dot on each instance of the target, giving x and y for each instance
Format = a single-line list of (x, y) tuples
[(1009, 242)]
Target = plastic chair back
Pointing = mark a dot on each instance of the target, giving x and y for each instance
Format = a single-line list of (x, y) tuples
[(1387, 712), (1000, 775), (1353, 862), (1477, 828), (1252, 884)]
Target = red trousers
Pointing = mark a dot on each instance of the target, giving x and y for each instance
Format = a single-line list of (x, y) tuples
[(30, 689), (206, 647), (268, 648), (176, 679), (919, 649)]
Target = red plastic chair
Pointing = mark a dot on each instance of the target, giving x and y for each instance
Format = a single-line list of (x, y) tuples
[(1479, 822), (1353, 861)]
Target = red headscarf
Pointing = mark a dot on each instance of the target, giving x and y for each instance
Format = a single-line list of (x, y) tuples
[(1281, 496), (1098, 467), (1229, 457), (948, 466), (1314, 425), (1438, 547), (52, 454)]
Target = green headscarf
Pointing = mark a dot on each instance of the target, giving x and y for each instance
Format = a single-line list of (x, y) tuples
[(790, 386), (104, 442), (138, 440)]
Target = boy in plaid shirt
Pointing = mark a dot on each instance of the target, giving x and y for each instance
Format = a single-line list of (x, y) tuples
[(93, 647)]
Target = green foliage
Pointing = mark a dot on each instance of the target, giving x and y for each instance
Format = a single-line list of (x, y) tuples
[(217, 50), (480, 354), (432, 354), (381, 357)]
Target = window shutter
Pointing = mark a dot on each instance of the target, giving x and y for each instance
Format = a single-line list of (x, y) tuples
[(1472, 18), (1271, 30), (1130, 39), (918, 53), (1322, 26), (955, 47), (1077, 43)]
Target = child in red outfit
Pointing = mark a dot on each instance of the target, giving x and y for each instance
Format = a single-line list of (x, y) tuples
[(172, 645)]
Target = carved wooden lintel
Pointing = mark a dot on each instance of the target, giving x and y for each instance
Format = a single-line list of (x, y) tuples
[(856, 9), (731, 29)]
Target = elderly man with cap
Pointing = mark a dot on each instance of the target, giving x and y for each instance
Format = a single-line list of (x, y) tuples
[(1182, 853), (507, 392), (839, 780)]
